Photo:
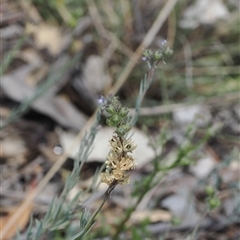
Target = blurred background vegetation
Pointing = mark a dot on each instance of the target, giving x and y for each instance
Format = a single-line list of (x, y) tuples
[(59, 56)]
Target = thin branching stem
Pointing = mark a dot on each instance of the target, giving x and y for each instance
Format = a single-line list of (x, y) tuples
[(145, 84), (10, 56), (193, 235), (91, 220), (129, 212)]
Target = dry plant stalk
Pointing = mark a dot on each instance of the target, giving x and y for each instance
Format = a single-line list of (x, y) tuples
[(119, 159)]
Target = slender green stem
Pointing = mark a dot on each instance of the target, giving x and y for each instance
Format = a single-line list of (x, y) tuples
[(145, 84), (157, 168), (9, 57), (198, 225), (131, 209), (91, 220)]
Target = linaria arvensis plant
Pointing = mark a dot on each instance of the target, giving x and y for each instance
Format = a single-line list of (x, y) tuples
[(118, 162)]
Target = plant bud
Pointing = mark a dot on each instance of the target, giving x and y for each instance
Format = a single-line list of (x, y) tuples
[(114, 120), (123, 129), (175, 221), (157, 56), (168, 52), (110, 109), (110, 123), (123, 112), (214, 203), (210, 190), (147, 53), (116, 103)]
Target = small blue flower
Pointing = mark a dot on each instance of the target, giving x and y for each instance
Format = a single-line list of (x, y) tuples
[(102, 100)]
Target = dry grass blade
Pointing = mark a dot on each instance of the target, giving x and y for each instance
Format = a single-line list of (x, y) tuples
[(20, 222), (168, 108), (164, 13), (97, 21), (162, 16)]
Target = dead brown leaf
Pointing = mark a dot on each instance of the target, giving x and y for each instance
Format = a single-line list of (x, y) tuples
[(46, 36)]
